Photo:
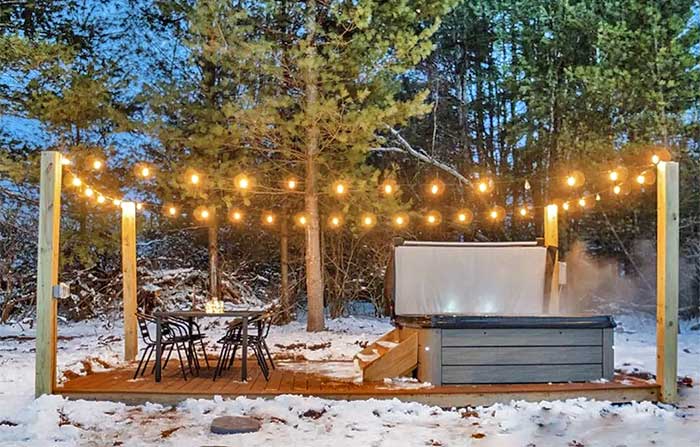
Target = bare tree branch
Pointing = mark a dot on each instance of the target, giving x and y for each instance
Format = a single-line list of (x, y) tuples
[(420, 154)]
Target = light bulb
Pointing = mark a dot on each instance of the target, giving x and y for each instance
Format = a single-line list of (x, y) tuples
[(145, 171), (194, 179), (388, 189), (523, 211), (571, 180), (76, 181), (269, 218), (97, 165), (243, 183), (205, 214), (565, 206), (655, 159), (597, 197), (89, 192), (483, 186), (65, 161), (116, 202), (100, 199), (139, 206), (641, 179), (617, 189), (434, 189), (291, 184), (236, 216), (172, 210), (582, 202), (614, 176), (493, 214)]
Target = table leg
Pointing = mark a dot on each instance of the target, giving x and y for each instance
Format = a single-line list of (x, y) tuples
[(244, 360), (159, 350)]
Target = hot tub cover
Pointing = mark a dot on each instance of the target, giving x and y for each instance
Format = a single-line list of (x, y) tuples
[(506, 322)]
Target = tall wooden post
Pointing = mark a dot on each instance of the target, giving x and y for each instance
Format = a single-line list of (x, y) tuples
[(47, 272), (129, 279), (551, 241), (667, 280)]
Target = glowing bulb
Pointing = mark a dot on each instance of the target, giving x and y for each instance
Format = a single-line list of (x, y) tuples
[(291, 184), (523, 211), (434, 189), (335, 221), (194, 179), (236, 216), (243, 183), (269, 218), (571, 180), (89, 192), (565, 206), (302, 220), (100, 199), (462, 217), (145, 171), (388, 189), (617, 189), (655, 159), (432, 219), (172, 210), (65, 161), (582, 202), (597, 197), (527, 185), (640, 179), (614, 176), (399, 220), (493, 214), (205, 214), (339, 188), (97, 165), (116, 202), (76, 181), (139, 206), (483, 186), (368, 220)]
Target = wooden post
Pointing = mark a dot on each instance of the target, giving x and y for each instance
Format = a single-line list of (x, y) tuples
[(47, 272), (667, 280), (131, 344), (551, 241)]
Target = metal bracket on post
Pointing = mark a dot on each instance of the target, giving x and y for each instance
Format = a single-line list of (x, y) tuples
[(61, 291)]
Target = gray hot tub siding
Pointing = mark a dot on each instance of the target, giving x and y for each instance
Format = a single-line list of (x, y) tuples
[(501, 349)]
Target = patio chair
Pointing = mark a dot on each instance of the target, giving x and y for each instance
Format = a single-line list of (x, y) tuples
[(170, 340), (195, 335), (233, 339)]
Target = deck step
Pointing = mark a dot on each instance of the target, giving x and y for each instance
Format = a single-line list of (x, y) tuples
[(389, 356)]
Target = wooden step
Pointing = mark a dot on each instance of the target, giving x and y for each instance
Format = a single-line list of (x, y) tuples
[(389, 356)]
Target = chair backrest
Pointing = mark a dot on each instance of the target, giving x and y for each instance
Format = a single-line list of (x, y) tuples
[(143, 320)]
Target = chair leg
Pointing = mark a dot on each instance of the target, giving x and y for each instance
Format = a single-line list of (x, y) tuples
[(221, 361), (182, 364), (204, 351), (261, 361), (269, 356), (167, 358), (233, 357), (143, 357), (148, 359)]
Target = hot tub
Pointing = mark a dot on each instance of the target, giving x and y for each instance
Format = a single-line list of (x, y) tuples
[(469, 349), (479, 313)]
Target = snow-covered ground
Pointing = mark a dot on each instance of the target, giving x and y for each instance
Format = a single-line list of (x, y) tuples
[(293, 420)]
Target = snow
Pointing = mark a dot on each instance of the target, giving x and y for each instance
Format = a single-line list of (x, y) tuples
[(294, 420)]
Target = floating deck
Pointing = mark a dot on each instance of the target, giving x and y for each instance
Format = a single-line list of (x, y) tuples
[(309, 379)]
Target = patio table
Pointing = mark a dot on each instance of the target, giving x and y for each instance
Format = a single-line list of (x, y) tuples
[(190, 315)]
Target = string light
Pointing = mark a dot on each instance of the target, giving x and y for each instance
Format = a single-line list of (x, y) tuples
[(335, 220), (523, 212), (617, 189), (641, 179), (655, 159), (116, 202), (571, 180), (483, 187), (291, 183), (575, 179), (172, 211), (236, 216), (139, 206), (597, 197), (76, 181), (464, 217), (97, 165), (302, 219), (433, 218), (268, 218), (368, 220), (100, 199), (145, 172), (65, 161), (527, 185), (436, 187), (195, 179), (339, 188), (89, 192), (400, 219), (565, 206), (389, 187), (614, 176), (243, 182), (582, 202), (493, 214)]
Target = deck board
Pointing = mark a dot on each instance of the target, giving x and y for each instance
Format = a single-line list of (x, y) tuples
[(118, 385)]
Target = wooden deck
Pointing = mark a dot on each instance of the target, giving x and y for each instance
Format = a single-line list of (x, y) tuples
[(309, 379)]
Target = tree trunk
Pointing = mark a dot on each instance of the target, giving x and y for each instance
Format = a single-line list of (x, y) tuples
[(314, 273), (213, 232), (285, 297)]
